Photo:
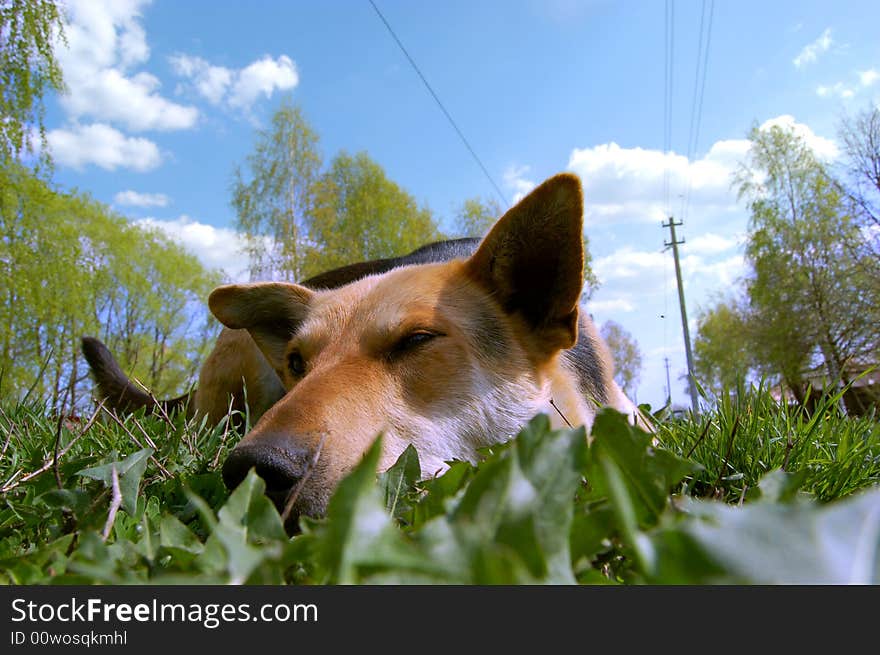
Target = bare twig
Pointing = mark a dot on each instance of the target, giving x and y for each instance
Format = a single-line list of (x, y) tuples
[(150, 442), (115, 503), (225, 434), (294, 493), (560, 413), (12, 483)]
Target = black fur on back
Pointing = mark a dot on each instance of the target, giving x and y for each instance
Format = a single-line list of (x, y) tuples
[(437, 252)]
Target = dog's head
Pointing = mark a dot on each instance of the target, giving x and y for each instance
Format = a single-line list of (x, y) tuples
[(449, 357)]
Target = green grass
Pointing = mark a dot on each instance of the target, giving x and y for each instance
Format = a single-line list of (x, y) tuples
[(748, 435), (141, 500)]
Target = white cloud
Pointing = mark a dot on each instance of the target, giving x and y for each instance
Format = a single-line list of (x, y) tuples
[(217, 248), (611, 306), (211, 82), (515, 179), (709, 244), (824, 148), (811, 51), (262, 77), (136, 199), (105, 41), (648, 272), (627, 184), (840, 90), (868, 77), (626, 263), (726, 271), (240, 88), (103, 146)]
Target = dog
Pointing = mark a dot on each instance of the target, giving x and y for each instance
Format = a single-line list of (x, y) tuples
[(451, 349)]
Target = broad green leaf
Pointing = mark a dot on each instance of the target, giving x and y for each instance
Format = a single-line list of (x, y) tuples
[(248, 531), (249, 507), (512, 521), (441, 490), (176, 536), (591, 532), (802, 543), (398, 482), (649, 473), (778, 486), (358, 533), (130, 471)]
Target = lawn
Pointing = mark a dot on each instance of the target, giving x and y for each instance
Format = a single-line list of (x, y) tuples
[(747, 492)]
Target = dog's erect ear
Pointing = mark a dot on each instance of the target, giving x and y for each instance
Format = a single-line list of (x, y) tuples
[(270, 311), (532, 261)]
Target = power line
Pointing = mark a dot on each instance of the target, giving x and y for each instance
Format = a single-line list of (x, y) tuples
[(668, 87), (442, 108), (695, 125)]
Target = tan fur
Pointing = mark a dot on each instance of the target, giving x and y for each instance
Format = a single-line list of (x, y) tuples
[(449, 357), (499, 323)]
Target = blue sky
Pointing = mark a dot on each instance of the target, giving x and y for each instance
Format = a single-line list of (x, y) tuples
[(164, 98)]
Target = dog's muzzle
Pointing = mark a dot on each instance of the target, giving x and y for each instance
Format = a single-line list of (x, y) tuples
[(275, 459)]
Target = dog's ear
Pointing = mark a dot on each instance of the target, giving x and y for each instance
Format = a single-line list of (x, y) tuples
[(270, 311), (532, 261)]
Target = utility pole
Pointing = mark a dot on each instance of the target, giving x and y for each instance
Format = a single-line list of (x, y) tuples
[(673, 243)]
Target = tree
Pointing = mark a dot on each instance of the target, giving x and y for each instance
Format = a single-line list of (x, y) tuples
[(625, 353), (860, 137), (723, 348), (360, 214), (809, 299), (70, 267), (475, 216), (274, 201), (860, 184), (28, 67)]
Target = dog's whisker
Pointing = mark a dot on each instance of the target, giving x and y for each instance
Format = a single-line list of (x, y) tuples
[(558, 411), (295, 491)]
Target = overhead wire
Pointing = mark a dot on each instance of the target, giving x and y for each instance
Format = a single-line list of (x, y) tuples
[(697, 116), (440, 104)]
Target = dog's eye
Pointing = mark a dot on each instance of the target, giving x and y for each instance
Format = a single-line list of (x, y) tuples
[(295, 364), (412, 341)]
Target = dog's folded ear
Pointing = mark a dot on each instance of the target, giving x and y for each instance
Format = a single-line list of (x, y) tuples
[(270, 311), (532, 261)]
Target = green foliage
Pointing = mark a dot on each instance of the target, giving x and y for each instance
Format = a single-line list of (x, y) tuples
[(274, 200), (723, 348), (71, 268), (811, 299), (549, 506), (360, 214), (748, 435), (29, 30), (625, 354), (475, 216)]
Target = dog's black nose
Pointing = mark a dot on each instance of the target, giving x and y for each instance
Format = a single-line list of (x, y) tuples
[(278, 461)]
